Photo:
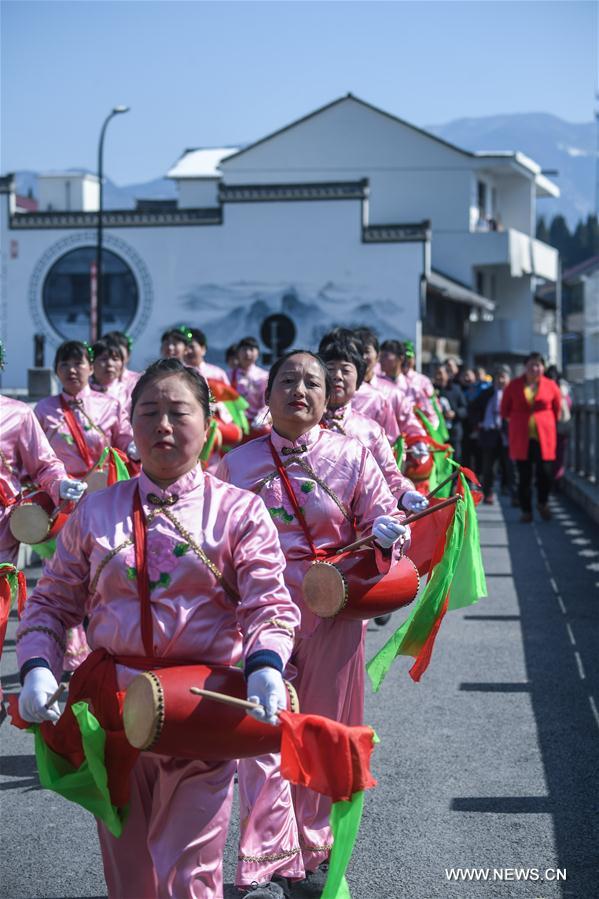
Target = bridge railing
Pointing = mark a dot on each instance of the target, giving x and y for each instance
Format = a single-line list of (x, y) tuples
[(584, 437)]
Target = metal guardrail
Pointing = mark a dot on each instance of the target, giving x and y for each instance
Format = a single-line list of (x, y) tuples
[(584, 454)]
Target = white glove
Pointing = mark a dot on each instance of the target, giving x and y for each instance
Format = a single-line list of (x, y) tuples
[(421, 450), (414, 501), (40, 684), (266, 686), (72, 490), (387, 530), (132, 451)]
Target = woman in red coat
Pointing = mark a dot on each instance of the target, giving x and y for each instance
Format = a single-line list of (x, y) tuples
[(531, 404)]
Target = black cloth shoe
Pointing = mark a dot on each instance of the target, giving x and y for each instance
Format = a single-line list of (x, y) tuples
[(382, 620), (312, 885), (277, 888)]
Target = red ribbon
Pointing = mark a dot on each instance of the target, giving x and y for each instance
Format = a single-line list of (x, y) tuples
[(77, 433), (5, 497), (316, 553), (143, 580)]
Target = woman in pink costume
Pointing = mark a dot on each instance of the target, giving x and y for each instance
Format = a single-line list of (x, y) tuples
[(108, 368), (346, 368), (79, 424), (321, 489), (128, 377), (250, 381), (195, 355), (203, 539)]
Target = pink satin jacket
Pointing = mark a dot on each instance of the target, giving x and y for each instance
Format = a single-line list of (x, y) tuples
[(25, 455), (421, 391), (215, 609), (345, 420), (207, 370), (338, 486), (103, 420), (251, 384), (373, 403)]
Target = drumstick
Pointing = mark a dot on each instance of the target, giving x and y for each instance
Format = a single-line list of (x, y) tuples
[(366, 541), (56, 695), (451, 477), (224, 697)]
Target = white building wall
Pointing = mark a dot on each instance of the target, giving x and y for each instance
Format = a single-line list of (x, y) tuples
[(197, 193), (303, 258)]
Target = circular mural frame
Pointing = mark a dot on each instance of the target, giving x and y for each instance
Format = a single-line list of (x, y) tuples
[(52, 255)]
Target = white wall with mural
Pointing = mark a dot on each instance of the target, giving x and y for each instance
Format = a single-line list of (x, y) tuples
[(305, 259)]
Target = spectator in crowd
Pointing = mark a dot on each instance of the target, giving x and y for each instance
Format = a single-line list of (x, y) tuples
[(484, 414), (564, 425), (452, 367), (532, 404), (453, 405)]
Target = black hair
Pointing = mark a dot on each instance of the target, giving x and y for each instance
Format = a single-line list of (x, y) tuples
[(119, 337), (109, 345), (393, 346), (231, 350), (535, 357), (249, 343), (164, 367), (72, 349), (183, 334), (346, 351), (198, 335), (367, 337), (338, 334), (328, 382)]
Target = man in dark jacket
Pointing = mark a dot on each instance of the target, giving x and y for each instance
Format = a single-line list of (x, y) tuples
[(492, 435), (453, 404)]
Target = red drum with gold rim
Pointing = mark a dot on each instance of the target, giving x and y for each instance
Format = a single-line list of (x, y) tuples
[(34, 517), (161, 715), (349, 585)]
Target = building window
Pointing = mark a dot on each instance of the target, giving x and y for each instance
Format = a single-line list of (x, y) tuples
[(67, 288), (481, 199)]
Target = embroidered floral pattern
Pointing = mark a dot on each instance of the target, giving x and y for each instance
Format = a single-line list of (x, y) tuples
[(163, 555)]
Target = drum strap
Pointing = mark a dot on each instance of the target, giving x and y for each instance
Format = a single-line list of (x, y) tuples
[(77, 433), (143, 580), (5, 497), (299, 514)]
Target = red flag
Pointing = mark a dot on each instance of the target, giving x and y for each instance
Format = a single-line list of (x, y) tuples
[(326, 756), (426, 534)]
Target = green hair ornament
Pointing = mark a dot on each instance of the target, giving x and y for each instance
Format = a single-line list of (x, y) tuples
[(89, 350), (184, 330), (410, 351)]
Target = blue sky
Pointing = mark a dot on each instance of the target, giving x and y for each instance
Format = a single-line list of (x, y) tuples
[(209, 74)]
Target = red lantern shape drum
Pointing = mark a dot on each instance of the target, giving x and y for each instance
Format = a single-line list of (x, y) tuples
[(35, 518), (417, 470), (349, 585), (161, 715)]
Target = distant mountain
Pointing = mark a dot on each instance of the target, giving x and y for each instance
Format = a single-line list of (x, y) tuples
[(552, 143)]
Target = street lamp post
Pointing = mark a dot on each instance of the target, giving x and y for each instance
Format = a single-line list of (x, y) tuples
[(99, 289)]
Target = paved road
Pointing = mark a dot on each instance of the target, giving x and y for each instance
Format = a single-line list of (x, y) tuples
[(491, 761)]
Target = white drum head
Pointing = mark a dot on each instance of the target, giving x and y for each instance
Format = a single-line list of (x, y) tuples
[(29, 523)]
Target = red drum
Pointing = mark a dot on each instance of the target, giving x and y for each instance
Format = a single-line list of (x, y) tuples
[(349, 585), (416, 470), (35, 518), (161, 715)]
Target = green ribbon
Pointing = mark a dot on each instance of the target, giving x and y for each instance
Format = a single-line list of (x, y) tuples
[(411, 636), (121, 469), (469, 583), (345, 823), (87, 785), (398, 448), (237, 412)]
